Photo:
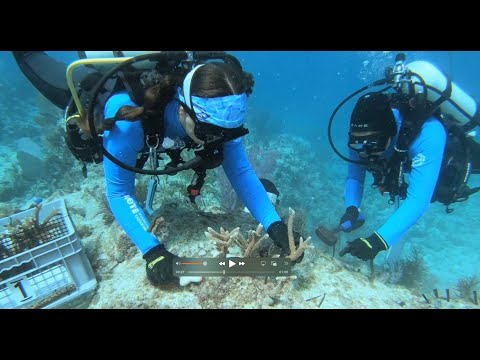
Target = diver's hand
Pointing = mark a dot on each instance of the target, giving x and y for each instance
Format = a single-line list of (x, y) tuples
[(351, 220), (159, 265), (278, 232), (365, 248)]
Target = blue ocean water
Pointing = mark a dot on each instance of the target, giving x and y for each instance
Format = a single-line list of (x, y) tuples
[(295, 93)]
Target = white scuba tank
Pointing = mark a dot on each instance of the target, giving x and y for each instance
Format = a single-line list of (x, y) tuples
[(434, 77), (112, 54), (117, 54)]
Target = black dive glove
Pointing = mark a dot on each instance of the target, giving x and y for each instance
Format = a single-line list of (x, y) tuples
[(351, 220), (365, 248), (159, 265), (278, 232)]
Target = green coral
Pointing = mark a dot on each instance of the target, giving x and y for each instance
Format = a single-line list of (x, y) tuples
[(466, 285), (105, 210), (411, 271), (300, 222), (84, 231), (29, 233)]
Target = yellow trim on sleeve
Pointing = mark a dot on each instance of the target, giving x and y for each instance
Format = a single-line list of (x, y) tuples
[(383, 240), (366, 242)]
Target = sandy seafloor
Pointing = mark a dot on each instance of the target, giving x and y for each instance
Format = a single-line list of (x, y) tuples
[(335, 283), (34, 162)]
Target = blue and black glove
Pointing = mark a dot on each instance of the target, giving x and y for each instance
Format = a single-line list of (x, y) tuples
[(365, 248), (351, 220), (278, 232), (159, 265)]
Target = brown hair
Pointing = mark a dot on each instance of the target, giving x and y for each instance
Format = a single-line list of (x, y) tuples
[(156, 98), (216, 79)]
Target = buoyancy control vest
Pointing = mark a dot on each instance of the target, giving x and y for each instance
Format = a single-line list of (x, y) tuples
[(455, 169), (135, 79)]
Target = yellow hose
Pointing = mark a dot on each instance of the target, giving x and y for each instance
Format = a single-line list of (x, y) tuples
[(71, 85)]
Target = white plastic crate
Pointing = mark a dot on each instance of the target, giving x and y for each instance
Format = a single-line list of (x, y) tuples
[(42, 262)]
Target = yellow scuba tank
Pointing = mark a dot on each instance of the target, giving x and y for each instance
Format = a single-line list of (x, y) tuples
[(434, 77)]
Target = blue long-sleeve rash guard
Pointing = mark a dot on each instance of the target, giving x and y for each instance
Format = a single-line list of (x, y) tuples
[(124, 142), (426, 153)]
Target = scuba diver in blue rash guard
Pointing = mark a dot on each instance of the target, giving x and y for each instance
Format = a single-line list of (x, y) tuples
[(414, 130), (200, 106)]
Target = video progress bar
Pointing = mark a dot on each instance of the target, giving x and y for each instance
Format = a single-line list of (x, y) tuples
[(231, 267)]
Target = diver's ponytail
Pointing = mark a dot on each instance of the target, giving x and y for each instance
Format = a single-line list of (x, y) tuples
[(248, 82), (129, 113)]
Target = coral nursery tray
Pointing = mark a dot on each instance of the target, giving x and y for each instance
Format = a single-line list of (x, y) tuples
[(39, 234), (42, 262)]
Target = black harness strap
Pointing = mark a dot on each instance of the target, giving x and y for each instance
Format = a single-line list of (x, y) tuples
[(142, 160), (411, 88), (133, 86), (445, 95), (175, 156), (415, 114), (472, 124)]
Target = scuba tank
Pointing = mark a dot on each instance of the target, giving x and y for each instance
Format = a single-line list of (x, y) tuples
[(116, 54), (423, 72), (110, 54), (422, 90), (83, 146)]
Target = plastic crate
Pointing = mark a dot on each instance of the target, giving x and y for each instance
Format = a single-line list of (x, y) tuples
[(42, 262)]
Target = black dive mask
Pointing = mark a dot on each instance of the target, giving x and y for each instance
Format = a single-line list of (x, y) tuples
[(375, 143), (212, 134)]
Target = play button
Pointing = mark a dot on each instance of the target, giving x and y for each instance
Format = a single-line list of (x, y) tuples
[(231, 263)]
